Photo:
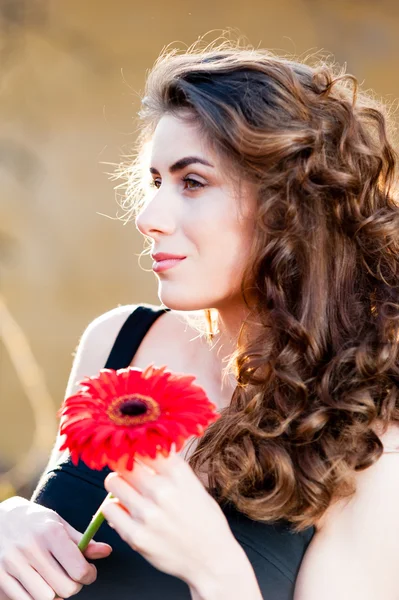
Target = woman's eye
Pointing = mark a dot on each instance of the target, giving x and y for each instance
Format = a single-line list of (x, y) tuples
[(191, 184)]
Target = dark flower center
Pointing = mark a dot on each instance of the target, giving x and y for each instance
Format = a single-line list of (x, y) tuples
[(133, 407), (131, 410)]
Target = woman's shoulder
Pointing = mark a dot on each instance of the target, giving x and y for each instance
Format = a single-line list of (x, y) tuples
[(104, 328), (111, 320), (169, 333)]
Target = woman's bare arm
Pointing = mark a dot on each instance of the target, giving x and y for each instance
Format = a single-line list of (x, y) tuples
[(354, 554)]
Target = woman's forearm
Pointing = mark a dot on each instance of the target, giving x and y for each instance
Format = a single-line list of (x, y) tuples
[(231, 580)]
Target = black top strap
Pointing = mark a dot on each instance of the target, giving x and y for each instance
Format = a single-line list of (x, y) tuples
[(131, 335)]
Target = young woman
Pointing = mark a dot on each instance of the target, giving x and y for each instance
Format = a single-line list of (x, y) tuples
[(266, 189)]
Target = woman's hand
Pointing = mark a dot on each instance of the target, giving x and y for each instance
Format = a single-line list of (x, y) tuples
[(39, 557), (167, 515)]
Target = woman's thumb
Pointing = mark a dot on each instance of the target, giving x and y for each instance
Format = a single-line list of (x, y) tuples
[(94, 549), (97, 550)]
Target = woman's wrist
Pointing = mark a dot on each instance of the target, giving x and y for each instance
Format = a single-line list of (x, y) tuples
[(231, 576)]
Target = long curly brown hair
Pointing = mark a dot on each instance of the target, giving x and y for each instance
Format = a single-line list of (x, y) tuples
[(321, 370)]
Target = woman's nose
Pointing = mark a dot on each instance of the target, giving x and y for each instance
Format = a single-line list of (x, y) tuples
[(154, 220)]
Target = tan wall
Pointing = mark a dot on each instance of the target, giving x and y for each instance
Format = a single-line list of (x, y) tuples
[(69, 84)]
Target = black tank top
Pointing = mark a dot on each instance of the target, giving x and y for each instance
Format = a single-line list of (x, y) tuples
[(76, 492)]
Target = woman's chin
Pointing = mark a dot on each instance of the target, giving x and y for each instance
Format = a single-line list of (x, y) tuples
[(181, 302)]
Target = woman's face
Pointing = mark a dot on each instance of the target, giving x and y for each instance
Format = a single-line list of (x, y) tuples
[(195, 212)]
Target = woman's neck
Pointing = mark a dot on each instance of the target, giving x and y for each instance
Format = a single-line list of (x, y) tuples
[(224, 343), (230, 320)]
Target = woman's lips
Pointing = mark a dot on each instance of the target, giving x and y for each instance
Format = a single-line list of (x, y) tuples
[(168, 263)]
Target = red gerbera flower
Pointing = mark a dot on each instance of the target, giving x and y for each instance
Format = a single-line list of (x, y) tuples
[(118, 414)]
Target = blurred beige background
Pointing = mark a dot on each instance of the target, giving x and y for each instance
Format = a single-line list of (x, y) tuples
[(70, 79)]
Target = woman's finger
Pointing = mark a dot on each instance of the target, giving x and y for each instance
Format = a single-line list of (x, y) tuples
[(131, 499), (30, 579), (72, 560), (94, 550), (129, 530), (161, 465), (143, 478), (54, 574), (12, 588)]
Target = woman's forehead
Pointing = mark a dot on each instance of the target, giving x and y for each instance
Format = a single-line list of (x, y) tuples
[(174, 139)]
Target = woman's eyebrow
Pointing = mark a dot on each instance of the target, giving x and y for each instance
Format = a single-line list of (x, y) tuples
[(182, 163)]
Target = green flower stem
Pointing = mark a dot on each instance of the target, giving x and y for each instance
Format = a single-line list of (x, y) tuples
[(93, 527)]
